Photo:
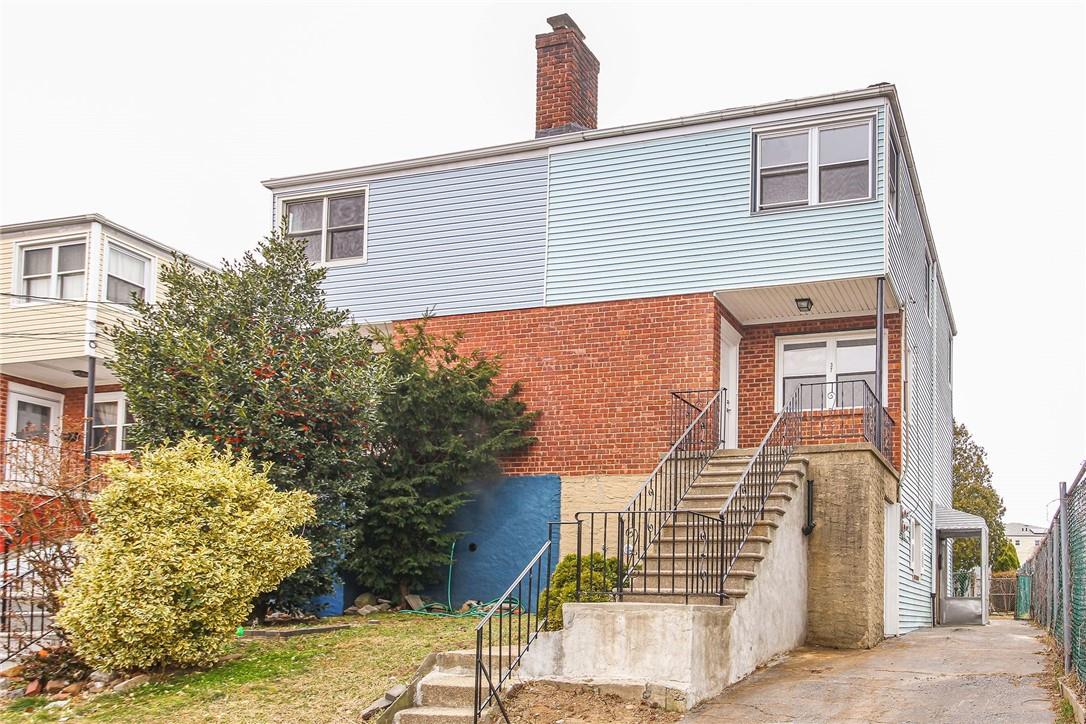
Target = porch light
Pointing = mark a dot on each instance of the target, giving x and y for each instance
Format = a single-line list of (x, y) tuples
[(80, 373), (804, 304)]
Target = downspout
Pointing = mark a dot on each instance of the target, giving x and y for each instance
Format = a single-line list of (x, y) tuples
[(934, 401)]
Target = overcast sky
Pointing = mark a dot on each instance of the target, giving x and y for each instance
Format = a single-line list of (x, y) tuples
[(165, 116)]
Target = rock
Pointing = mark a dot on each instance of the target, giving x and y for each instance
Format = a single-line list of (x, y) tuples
[(58, 704), (365, 599), (278, 616), (350, 610), (33, 688), (468, 605), (384, 600), (395, 692), (60, 697), (73, 689), (101, 676), (375, 708), (133, 683), (412, 601), (96, 686), (14, 693), (367, 610), (55, 685), (13, 672), (384, 606)]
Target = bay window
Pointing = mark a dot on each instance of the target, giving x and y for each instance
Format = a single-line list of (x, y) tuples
[(818, 165), (828, 368), (332, 228), (53, 271)]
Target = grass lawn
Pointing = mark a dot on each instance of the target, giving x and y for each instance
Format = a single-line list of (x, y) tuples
[(322, 678)]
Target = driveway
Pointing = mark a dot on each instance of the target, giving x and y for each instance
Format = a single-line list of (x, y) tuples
[(952, 674)]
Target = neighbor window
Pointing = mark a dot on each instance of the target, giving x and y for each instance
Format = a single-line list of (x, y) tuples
[(111, 422), (828, 369), (333, 228), (55, 271), (126, 276), (819, 165)]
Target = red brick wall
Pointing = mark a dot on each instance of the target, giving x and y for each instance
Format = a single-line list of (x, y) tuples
[(757, 375), (601, 374), (566, 82), (72, 410)]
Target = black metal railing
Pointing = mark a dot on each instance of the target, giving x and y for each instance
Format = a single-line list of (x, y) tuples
[(507, 631), (843, 410), (658, 498), (686, 556), (686, 407), (745, 504)]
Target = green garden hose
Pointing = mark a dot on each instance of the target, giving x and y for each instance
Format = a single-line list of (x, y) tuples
[(445, 610)]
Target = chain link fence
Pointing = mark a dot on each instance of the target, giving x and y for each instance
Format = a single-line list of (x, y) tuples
[(1047, 571)]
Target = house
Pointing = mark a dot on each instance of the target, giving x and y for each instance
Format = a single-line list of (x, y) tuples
[(65, 281), (777, 259), (1025, 538)]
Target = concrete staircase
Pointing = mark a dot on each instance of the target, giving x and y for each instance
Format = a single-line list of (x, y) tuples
[(446, 695), (666, 559)]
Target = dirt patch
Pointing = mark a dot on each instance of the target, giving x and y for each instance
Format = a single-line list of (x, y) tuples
[(541, 702)]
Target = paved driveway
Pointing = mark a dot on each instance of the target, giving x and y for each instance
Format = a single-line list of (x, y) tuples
[(952, 674)]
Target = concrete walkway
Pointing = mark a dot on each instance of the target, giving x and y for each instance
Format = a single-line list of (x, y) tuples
[(951, 674)]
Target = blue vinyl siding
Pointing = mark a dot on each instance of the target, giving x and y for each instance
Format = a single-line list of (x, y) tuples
[(673, 215), (456, 241)]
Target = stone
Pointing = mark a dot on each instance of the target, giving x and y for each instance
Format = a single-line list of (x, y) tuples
[(33, 688), (101, 676), (365, 599), (384, 606), (395, 693), (367, 610), (58, 704), (375, 708), (384, 600), (412, 601), (133, 683), (13, 672), (73, 689), (13, 693), (54, 685), (350, 610), (59, 696), (468, 605), (96, 686)]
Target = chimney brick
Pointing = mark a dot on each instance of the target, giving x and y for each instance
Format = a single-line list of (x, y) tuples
[(566, 80)]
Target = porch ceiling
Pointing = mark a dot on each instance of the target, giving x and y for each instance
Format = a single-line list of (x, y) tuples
[(58, 372), (836, 298)]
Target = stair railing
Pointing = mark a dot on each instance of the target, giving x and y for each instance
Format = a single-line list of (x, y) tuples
[(745, 505), (653, 506)]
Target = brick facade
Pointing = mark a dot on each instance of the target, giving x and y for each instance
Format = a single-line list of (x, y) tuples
[(566, 80), (73, 407)]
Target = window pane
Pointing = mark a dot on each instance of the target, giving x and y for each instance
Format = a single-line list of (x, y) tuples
[(855, 355), (843, 144), (804, 358), (347, 244), (38, 287), (312, 246), (811, 398), (104, 439), (127, 267), (71, 257), (37, 261), (105, 413), (71, 286), (840, 183), (124, 438), (32, 421), (850, 393), (120, 291), (783, 150), (305, 215), (347, 211), (784, 188)]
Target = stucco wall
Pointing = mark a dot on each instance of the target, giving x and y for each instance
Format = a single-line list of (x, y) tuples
[(594, 493), (845, 584)]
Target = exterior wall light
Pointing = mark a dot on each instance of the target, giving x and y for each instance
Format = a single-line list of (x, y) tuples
[(804, 304)]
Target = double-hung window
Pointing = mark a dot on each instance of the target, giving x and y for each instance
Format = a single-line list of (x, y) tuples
[(332, 228), (111, 423), (126, 276), (818, 165), (53, 271), (828, 371)]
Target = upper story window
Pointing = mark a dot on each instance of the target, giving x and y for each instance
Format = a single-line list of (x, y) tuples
[(333, 228), (126, 276), (818, 165), (53, 271), (111, 423)]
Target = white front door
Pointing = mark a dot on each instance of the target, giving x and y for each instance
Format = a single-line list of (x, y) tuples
[(729, 378)]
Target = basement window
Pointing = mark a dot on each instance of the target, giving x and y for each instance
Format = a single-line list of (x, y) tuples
[(332, 228), (825, 164)]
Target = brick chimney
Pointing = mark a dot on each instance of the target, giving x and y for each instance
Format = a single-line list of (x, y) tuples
[(565, 80)]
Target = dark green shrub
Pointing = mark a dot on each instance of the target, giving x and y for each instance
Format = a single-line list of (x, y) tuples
[(598, 575)]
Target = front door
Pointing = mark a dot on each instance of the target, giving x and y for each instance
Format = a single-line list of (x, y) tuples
[(729, 378)]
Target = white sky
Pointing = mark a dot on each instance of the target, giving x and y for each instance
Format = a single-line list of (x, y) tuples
[(165, 116)]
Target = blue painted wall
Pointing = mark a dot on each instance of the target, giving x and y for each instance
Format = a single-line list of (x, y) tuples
[(673, 215), (504, 527)]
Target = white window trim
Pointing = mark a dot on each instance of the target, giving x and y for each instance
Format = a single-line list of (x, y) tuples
[(812, 163), (55, 241), (325, 196), (831, 374), (122, 408), (24, 393), (148, 277)]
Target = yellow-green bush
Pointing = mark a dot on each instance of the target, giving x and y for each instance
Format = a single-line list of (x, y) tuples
[(184, 542), (599, 576)]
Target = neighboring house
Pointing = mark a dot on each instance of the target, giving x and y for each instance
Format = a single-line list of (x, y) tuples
[(65, 280), (1025, 538), (743, 249)]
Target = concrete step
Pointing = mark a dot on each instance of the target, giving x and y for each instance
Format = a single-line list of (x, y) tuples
[(763, 527), (464, 659), (769, 513), (711, 487), (435, 715), (727, 475), (658, 562), (754, 545), (673, 597), (701, 499), (445, 689)]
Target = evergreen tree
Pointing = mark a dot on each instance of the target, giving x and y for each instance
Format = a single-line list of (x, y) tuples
[(251, 357), (973, 493)]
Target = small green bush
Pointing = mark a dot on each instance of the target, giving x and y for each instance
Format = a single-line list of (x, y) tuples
[(597, 575), (184, 543)]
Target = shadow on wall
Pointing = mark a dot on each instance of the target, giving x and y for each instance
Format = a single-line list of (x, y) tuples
[(503, 527)]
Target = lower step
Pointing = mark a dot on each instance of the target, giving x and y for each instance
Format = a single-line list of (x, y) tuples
[(434, 715)]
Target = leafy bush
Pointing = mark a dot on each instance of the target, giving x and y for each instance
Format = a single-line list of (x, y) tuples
[(597, 575), (184, 543)]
